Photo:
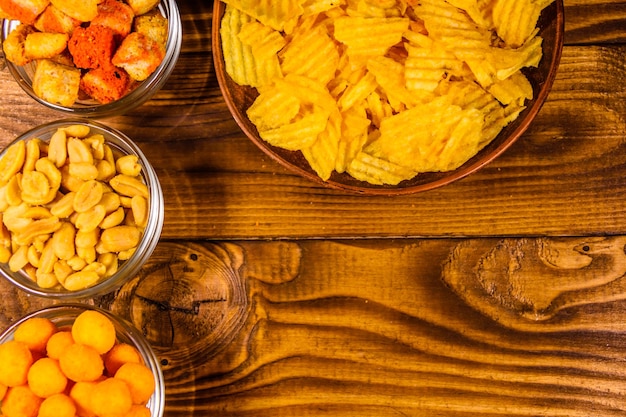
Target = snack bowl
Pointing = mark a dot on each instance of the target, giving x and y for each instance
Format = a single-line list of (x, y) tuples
[(147, 239), (239, 98), (139, 93), (63, 317)]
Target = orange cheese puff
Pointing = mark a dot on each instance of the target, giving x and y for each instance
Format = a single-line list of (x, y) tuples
[(45, 378), (116, 15), (81, 363), (15, 360), (35, 332), (81, 394), (111, 396), (139, 411), (3, 391), (20, 402), (92, 47), (140, 381), (92, 328), (26, 11), (58, 342), (120, 354), (105, 84), (58, 405)]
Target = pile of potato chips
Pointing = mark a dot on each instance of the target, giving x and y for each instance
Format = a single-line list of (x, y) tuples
[(382, 89)]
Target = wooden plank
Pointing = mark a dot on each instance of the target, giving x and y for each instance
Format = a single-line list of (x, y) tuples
[(380, 328)]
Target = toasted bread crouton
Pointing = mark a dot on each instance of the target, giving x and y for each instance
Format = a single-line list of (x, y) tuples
[(92, 47), (142, 6), (116, 15), (13, 45), (55, 21), (26, 11), (56, 83), (82, 10), (139, 55), (105, 84), (154, 25), (41, 45)]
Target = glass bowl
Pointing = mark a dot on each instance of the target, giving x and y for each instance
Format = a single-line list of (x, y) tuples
[(139, 95), (63, 315), (122, 144)]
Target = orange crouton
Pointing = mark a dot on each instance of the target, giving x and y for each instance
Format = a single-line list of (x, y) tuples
[(56, 83), (40, 45), (83, 10), (26, 11), (153, 25), (116, 15), (55, 21), (92, 47), (139, 55), (14, 44), (105, 84), (142, 6)]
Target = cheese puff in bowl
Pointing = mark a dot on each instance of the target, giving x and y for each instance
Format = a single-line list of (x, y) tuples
[(76, 381), (94, 58)]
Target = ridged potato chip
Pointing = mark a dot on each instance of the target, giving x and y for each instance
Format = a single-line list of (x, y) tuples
[(383, 89)]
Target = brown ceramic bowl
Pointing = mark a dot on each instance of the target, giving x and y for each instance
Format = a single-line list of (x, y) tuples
[(239, 98)]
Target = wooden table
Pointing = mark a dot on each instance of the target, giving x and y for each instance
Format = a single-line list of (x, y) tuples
[(503, 294)]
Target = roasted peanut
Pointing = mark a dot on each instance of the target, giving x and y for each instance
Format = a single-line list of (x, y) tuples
[(68, 181), (52, 173), (139, 206), (48, 258), (62, 270), (110, 201), (32, 154), (64, 207), (83, 171), (106, 171), (5, 254), (96, 144), (128, 165), (12, 161), (57, 149), (120, 238), (114, 219), (64, 241), (78, 151), (19, 259), (70, 210), (129, 186), (87, 239), (37, 228), (13, 191), (81, 280), (46, 279), (88, 195), (77, 131), (90, 219)]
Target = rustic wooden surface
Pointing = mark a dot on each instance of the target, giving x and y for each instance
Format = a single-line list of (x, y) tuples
[(503, 294)]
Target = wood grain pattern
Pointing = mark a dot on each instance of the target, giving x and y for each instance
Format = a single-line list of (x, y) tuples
[(500, 295), (380, 328)]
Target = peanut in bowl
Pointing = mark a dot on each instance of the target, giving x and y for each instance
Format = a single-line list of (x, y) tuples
[(101, 67), (78, 219), (38, 351)]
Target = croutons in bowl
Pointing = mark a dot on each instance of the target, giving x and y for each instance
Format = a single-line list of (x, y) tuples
[(93, 58), (81, 210)]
